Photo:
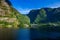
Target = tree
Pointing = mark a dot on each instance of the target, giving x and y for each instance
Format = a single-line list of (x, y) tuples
[(41, 17), (42, 13), (37, 19)]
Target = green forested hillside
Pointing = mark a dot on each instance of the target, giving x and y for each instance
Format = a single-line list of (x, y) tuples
[(10, 17), (45, 15)]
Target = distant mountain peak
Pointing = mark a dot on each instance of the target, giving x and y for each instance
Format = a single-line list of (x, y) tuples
[(52, 15)]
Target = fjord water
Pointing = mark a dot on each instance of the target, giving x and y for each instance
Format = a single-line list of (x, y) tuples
[(38, 35), (23, 34), (34, 34)]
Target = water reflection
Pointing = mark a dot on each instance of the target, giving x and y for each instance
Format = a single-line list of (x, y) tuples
[(33, 34), (23, 34), (38, 35)]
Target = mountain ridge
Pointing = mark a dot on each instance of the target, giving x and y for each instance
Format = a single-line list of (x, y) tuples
[(10, 17), (42, 13)]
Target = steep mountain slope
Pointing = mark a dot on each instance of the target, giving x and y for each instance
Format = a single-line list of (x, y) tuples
[(44, 15), (9, 16)]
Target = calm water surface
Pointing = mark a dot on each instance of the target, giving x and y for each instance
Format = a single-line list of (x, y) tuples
[(28, 34), (23, 34)]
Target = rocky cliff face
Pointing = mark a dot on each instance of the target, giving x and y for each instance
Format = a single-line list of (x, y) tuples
[(4, 8), (10, 17), (7, 17)]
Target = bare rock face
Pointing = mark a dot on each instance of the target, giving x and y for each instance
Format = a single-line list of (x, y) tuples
[(7, 17), (4, 8), (2, 12), (7, 20)]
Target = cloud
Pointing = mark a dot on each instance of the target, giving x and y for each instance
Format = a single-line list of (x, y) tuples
[(24, 11), (27, 10), (54, 5)]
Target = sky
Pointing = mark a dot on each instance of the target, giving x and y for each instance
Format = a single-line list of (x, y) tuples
[(24, 6)]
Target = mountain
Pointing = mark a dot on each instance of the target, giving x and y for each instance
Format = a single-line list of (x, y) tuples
[(10, 17), (45, 15)]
